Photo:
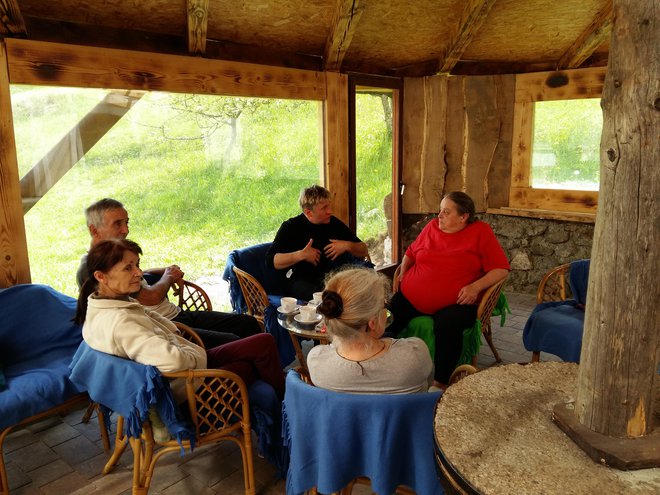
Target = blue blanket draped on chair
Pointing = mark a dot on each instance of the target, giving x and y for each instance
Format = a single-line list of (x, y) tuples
[(336, 437), (556, 327), (252, 259), (129, 389)]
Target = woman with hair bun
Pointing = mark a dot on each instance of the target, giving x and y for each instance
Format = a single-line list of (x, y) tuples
[(358, 360)]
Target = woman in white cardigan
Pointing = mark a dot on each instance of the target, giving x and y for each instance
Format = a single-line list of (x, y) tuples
[(115, 323)]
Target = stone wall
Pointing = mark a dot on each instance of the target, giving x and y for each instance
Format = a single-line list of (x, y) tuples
[(533, 245)]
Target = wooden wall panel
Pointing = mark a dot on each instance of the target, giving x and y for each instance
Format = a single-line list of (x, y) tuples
[(455, 134), (14, 263), (499, 174), (335, 112), (425, 109), (478, 138), (488, 145)]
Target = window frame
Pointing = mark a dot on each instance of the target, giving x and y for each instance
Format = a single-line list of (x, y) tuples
[(394, 84), (547, 86)]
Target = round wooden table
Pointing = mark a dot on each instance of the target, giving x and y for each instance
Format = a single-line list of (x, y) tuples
[(302, 331), (494, 435)]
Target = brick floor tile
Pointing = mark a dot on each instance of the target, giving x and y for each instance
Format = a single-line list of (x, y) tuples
[(166, 476), (50, 472), (93, 466), (58, 434), (18, 439), (32, 456), (44, 424), (231, 484), (77, 450), (28, 489), (16, 476), (90, 430), (66, 484), (210, 468), (119, 481), (192, 486)]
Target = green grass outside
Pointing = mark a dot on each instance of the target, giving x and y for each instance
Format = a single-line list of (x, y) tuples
[(189, 202)]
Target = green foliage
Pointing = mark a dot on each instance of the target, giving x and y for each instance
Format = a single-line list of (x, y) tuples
[(374, 165), (192, 194), (566, 144)]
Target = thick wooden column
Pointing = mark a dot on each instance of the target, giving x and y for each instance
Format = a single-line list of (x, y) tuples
[(613, 420), (622, 331), (14, 264)]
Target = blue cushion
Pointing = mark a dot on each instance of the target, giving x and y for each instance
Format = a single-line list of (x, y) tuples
[(556, 328), (38, 339)]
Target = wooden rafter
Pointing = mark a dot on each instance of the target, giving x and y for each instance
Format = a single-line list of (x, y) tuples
[(591, 38), (198, 18), (75, 144), (11, 20), (344, 23), (474, 14)]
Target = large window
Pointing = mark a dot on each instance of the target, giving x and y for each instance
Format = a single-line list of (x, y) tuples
[(556, 142), (199, 175)]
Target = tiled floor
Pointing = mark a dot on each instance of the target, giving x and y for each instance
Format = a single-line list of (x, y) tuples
[(65, 456)]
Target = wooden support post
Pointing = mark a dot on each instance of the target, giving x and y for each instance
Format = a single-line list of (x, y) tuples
[(621, 344), (335, 131), (14, 264)]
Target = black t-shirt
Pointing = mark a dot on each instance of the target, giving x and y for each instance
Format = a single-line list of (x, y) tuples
[(295, 233)]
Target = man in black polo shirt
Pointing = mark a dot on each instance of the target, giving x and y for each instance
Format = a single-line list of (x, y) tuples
[(312, 244)]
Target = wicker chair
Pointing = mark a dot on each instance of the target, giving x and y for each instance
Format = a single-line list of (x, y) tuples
[(484, 313), (219, 411), (254, 294), (191, 297), (461, 372), (554, 285)]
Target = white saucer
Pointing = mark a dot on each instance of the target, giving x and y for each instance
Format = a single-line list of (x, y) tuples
[(299, 319), (296, 308)]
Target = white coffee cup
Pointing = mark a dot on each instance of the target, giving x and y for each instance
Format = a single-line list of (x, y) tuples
[(288, 303), (317, 297), (308, 313)]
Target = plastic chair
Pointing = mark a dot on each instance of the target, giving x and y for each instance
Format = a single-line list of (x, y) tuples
[(337, 439), (254, 294), (191, 297), (556, 324), (216, 400)]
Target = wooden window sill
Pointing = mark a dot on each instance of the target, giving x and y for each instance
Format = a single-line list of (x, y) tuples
[(544, 214)]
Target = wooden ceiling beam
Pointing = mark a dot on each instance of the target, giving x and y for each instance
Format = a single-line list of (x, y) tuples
[(474, 15), (591, 38), (125, 39), (344, 23), (198, 19), (56, 64), (11, 20)]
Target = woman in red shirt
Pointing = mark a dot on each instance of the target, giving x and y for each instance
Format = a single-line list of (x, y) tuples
[(443, 274)]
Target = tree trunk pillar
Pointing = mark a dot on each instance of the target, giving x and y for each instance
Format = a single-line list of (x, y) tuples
[(621, 344)]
